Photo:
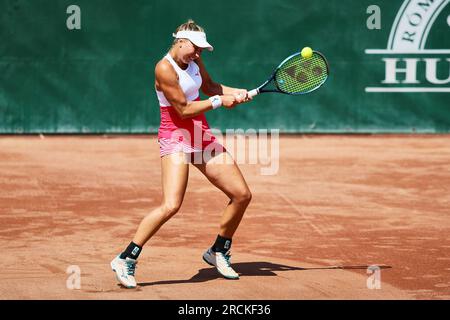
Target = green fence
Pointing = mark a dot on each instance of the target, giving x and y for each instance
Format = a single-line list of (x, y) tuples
[(391, 75)]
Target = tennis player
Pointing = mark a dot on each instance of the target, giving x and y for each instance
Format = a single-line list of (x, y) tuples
[(178, 78)]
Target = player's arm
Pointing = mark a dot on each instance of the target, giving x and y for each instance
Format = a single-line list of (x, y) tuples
[(166, 80), (211, 88)]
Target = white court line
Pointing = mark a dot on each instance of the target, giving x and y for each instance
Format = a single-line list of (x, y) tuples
[(304, 217)]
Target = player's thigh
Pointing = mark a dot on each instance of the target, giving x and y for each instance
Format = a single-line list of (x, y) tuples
[(223, 172), (175, 174)]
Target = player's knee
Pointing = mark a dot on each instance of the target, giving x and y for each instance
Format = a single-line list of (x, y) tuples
[(170, 208), (247, 196), (244, 196)]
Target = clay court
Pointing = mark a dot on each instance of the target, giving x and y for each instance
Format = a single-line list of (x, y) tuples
[(337, 205)]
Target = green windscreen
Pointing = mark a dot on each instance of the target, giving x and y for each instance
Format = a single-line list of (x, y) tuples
[(99, 78), (301, 75)]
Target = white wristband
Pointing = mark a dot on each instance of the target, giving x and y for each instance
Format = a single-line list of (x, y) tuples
[(215, 101)]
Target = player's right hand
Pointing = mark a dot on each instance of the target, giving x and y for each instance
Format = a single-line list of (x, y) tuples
[(228, 101)]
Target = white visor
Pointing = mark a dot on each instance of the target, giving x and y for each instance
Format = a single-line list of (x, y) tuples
[(196, 37)]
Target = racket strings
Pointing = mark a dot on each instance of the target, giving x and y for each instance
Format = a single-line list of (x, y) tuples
[(301, 75)]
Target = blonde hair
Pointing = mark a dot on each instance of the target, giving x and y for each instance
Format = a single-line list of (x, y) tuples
[(189, 25)]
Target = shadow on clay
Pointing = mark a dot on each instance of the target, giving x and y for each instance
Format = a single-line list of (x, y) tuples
[(246, 269)]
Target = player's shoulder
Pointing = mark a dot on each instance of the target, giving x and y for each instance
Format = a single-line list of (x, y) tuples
[(164, 66), (165, 72)]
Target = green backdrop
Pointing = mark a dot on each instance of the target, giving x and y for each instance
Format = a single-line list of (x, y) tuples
[(99, 79)]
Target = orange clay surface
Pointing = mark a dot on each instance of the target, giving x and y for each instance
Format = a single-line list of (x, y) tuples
[(336, 201)]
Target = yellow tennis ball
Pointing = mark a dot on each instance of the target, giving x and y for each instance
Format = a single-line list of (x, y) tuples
[(307, 52)]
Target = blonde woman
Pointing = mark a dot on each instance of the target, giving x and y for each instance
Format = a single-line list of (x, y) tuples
[(183, 136)]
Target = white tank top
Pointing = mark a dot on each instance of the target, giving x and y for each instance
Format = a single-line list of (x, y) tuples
[(190, 81)]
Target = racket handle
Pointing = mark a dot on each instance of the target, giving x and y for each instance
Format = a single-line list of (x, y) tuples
[(252, 93)]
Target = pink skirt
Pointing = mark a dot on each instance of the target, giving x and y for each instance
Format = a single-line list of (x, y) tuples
[(185, 135), (169, 146)]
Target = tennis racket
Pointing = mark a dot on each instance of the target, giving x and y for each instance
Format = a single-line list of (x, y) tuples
[(296, 75)]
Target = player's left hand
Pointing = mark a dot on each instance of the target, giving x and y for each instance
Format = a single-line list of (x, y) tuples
[(241, 96)]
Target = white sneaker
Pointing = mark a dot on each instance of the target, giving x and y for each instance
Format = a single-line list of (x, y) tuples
[(222, 262), (124, 269)]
